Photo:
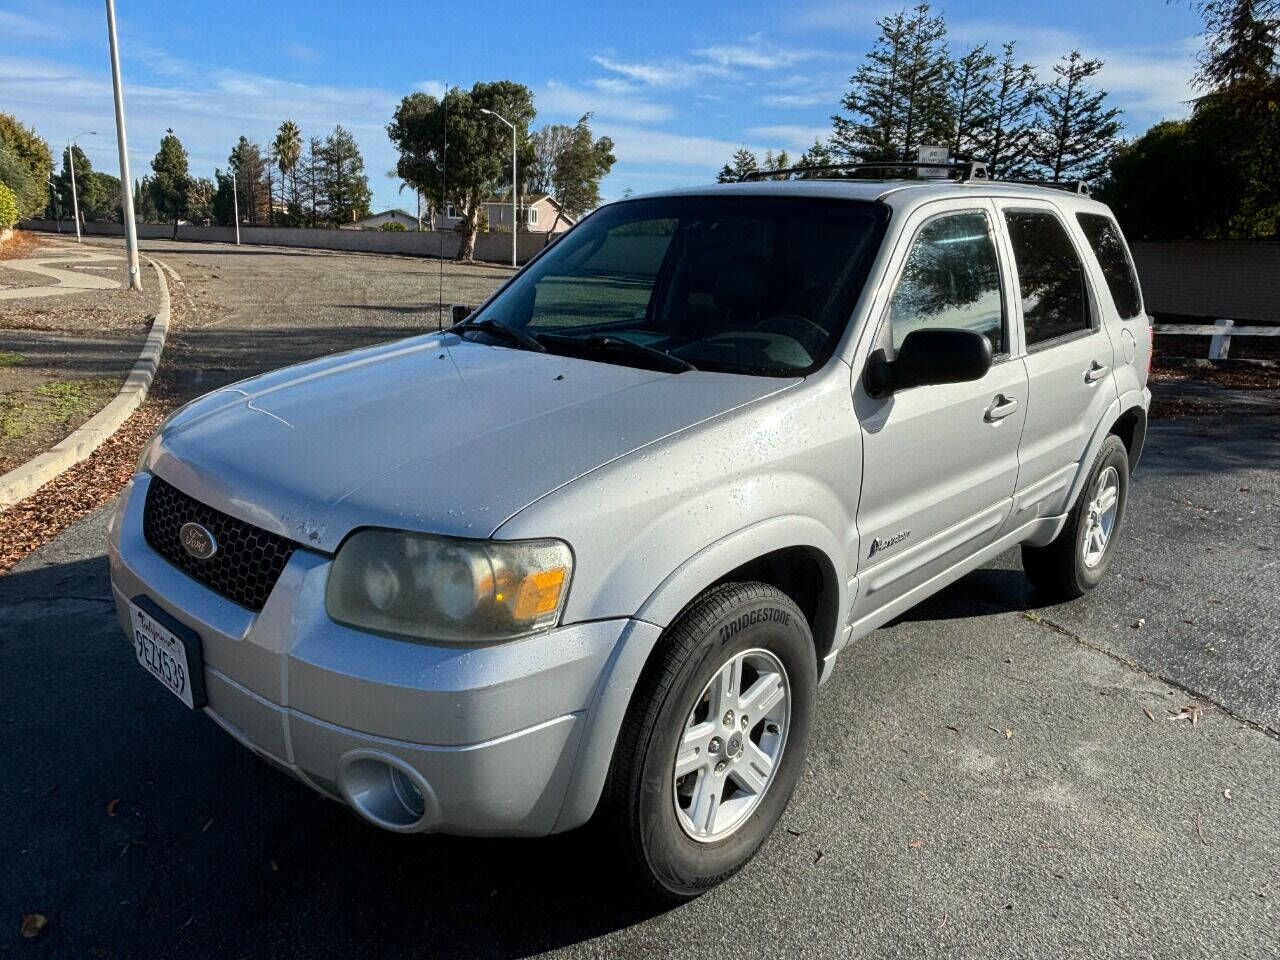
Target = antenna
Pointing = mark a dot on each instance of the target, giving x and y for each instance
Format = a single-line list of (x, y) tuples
[(444, 203)]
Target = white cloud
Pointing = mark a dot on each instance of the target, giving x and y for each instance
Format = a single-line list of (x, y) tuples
[(842, 16), (665, 73), (434, 88), (301, 52), (643, 145), (757, 56), (572, 102), (791, 135), (797, 99)]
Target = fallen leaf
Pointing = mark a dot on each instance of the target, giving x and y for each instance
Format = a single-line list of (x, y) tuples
[(818, 857), (943, 922), (1150, 716), (111, 807), (916, 844), (1227, 793), (795, 833), (33, 925), (1008, 734), (1190, 712), (1140, 623), (953, 729), (275, 867), (1200, 829)]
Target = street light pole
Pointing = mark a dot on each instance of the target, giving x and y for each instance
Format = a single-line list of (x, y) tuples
[(71, 163), (235, 204), (515, 197), (126, 182)]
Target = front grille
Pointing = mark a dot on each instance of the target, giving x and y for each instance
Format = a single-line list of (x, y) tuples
[(247, 562)]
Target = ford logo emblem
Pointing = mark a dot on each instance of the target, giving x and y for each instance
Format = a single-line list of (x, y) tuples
[(197, 541)]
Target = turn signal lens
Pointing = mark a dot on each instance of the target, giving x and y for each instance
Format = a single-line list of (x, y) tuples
[(539, 593)]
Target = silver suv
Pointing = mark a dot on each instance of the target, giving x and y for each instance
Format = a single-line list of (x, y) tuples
[(592, 550)]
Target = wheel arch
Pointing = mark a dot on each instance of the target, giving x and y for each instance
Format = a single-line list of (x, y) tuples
[(763, 550), (1131, 428), (785, 552)]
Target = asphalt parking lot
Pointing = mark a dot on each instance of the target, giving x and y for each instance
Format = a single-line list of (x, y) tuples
[(989, 777)]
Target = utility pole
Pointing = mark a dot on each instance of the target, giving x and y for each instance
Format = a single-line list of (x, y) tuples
[(71, 163), (515, 196), (235, 203), (126, 181)]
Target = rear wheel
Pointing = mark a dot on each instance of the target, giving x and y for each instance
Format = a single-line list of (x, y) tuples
[(1075, 562), (714, 739)]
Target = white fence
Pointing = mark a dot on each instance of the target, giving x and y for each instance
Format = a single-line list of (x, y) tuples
[(1220, 330)]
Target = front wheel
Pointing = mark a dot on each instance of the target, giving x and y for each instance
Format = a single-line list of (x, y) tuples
[(714, 739)]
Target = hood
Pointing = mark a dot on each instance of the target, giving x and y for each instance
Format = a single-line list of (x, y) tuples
[(434, 433)]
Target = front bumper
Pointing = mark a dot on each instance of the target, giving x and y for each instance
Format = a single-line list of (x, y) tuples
[(491, 736)]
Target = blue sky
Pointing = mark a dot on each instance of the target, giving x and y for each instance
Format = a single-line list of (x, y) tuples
[(677, 85)]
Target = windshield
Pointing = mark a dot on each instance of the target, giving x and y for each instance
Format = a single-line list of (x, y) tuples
[(758, 285)]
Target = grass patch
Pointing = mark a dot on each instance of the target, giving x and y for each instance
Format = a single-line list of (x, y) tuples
[(10, 359), (50, 403)]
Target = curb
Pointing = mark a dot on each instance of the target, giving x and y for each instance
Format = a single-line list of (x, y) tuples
[(20, 482)]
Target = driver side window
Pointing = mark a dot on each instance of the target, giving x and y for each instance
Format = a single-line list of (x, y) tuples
[(951, 279)]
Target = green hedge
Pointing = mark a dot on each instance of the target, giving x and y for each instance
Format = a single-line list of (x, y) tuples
[(8, 208)]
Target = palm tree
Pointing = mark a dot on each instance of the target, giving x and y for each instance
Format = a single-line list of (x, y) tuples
[(287, 148)]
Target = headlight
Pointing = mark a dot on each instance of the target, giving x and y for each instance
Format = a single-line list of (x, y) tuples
[(454, 591)]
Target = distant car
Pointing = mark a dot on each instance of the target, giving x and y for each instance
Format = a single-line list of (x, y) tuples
[(592, 550)]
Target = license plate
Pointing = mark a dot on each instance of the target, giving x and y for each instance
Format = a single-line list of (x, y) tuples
[(168, 651)]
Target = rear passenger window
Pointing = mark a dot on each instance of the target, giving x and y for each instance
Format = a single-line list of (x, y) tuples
[(951, 279), (1113, 257), (1050, 276)]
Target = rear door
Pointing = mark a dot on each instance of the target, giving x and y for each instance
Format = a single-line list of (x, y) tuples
[(939, 462), (1122, 311), (1068, 355)]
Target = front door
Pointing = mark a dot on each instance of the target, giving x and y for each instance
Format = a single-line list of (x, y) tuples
[(939, 462)]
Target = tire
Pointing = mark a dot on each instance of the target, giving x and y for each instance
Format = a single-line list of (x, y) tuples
[(653, 811), (1068, 567)]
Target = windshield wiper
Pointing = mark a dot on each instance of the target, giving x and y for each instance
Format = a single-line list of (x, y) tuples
[(604, 343), (501, 332)]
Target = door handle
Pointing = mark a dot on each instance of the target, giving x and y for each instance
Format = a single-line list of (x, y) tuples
[(1000, 408), (1095, 372)]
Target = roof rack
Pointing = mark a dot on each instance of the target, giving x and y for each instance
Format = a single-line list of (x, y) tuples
[(967, 170)]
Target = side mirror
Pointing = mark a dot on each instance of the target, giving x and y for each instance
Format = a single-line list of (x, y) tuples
[(459, 312), (930, 356)]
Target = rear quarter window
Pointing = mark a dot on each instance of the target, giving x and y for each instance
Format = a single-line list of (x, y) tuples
[(1113, 256)]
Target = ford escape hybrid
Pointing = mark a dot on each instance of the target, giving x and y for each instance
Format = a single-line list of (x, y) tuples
[(591, 551)]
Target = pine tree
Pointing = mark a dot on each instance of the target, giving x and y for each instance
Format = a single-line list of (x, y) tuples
[(897, 99), (1077, 135), (1007, 142), (1242, 41), (740, 164), (171, 185), (250, 170), (346, 188), (971, 103), (816, 156)]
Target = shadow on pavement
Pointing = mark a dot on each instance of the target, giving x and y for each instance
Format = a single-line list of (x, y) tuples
[(134, 823)]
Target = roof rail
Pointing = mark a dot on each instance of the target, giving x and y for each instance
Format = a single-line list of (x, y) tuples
[(1075, 186), (967, 170)]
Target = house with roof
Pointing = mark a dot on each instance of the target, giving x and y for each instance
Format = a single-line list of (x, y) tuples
[(537, 213), (394, 215)]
